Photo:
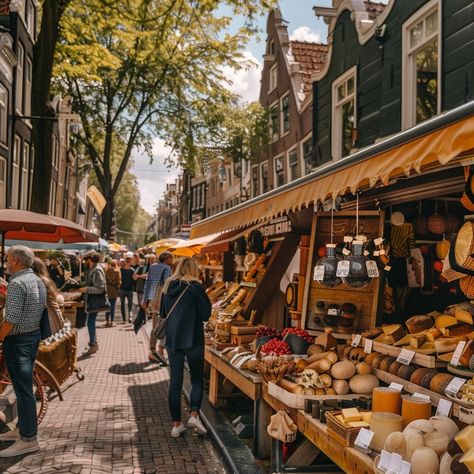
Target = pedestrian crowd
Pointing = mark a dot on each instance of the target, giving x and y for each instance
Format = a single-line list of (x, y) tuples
[(169, 292)]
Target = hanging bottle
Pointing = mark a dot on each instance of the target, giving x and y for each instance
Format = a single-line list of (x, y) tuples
[(357, 277), (329, 262)]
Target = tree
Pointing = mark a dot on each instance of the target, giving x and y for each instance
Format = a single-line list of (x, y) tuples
[(138, 69)]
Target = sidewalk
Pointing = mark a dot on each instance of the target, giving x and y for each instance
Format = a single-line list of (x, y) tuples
[(116, 420)]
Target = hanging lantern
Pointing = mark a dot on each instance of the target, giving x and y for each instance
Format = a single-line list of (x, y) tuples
[(357, 277), (420, 224), (329, 262), (437, 222)]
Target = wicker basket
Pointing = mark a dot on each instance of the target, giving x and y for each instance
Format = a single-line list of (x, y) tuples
[(346, 436)]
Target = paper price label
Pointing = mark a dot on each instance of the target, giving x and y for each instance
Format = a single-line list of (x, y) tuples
[(348, 239), (364, 438), (422, 396), (333, 312), (395, 464), (366, 254), (405, 357), (356, 338), (318, 274), (405, 468), (396, 386), (372, 269), (376, 253), (346, 252), (454, 386), (369, 343), (444, 407), (385, 460), (343, 268), (378, 241), (457, 353)]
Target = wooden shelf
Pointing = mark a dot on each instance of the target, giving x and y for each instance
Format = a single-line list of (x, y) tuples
[(212, 267), (337, 335)]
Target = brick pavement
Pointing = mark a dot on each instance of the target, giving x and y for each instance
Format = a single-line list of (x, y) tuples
[(116, 420)]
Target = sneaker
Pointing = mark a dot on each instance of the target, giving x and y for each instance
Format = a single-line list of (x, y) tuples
[(92, 349), (12, 435), (178, 430), (196, 423), (160, 358), (20, 447)]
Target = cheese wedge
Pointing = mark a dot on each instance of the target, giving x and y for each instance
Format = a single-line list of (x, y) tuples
[(358, 424), (366, 416), (445, 320), (465, 438), (433, 334), (351, 414), (340, 419), (468, 460), (404, 341), (417, 340)]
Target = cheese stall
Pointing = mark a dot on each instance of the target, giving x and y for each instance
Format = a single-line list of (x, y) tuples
[(353, 330)]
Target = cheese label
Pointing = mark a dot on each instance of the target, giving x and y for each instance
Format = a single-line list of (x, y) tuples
[(343, 268), (444, 407), (348, 239), (385, 460), (421, 395), (364, 438), (376, 253), (454, 386), (372, 269), (356, 338), (368, 344), (366, 254), (395, 464), (405, 467), (457, 353), (396, 386), (387, 268), (405, 357), (378, 241), (346, 252), (318, 274), (333, 312)]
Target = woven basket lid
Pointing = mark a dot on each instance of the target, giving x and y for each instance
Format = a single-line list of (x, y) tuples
[(437, 223)]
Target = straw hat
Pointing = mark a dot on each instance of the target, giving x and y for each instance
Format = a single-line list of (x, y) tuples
[(459, 265)]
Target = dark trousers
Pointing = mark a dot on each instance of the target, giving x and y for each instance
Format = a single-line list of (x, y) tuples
[(91, 327), (110, 315), (125, 294), (195, 358), (20, 354)]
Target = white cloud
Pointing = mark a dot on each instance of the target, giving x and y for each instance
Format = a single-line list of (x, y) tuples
[(304, 33)]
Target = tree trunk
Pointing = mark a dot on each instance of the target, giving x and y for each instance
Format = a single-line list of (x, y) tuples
[(107, 214), (43, 60)]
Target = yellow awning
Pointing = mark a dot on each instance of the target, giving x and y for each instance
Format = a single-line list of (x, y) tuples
[(435, 147)]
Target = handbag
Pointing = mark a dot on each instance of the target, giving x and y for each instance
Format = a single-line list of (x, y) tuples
[(45, 327), (97, 303), (160, 328)]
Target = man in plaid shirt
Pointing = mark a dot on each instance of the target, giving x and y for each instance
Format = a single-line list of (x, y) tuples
[(157, 275), (20, 333)]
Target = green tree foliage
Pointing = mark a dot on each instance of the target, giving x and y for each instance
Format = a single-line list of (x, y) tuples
[(138, 69)]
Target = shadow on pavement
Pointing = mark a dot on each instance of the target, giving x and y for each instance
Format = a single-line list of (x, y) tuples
[(133, 368)]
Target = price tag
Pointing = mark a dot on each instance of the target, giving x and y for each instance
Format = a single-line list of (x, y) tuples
[(405, 356), (372, 269), (369, 343), (366, 253), (396, 386), (387, 268), (457, 353), (343, 268), (382, 252), (346, 251), (356, 338), (376, 253), (395, 464), (378, 240), (406, 468), (348, 239), (364, 438), (318, 274), (454, 386), (333, 312), (385, 460), (422, 396), (444, 407)]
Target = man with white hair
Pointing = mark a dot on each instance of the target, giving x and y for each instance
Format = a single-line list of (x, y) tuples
[(20, 333)]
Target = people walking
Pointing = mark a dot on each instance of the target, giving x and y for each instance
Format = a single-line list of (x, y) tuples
[(114, 280), (186, 306), (126, 288), (96, 296), (20, 333), (141, 274), (157, 275)]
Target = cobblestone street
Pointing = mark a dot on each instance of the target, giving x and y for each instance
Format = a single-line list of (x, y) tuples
[(116, 420)]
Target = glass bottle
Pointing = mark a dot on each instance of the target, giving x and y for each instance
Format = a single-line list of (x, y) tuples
[(330, 262), (357, 277)]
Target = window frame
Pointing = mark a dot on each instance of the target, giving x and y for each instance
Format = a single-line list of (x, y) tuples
[(4, 115), (25, 176), (255, 192), (304, 140), (274, 137), (288, 164), (336, 122), (273, 78), (408, 71), (282, 118), (20, 79), (262, 165), (28, 79), (3, 182), (15, 178), (282, 171)]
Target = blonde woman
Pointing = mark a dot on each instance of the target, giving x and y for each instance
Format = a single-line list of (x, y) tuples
[(186, 306)]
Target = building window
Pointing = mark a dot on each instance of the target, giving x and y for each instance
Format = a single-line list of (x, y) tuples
[(271, 47), (293, 165), (19, 78), (421, 68), (25, 175), (55, 153), (255, 181), (274, 122), (264, 177), (3, 182), (307, 152), (3, 115), (279, 171), (16, 172), (273, 78), (32, 171), (344, 114), (52, 198), (285, 114), (31, 20), (28, 76)]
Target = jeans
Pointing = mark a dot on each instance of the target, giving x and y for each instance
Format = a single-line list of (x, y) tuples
[(20, 354), (195, 357), (91, 317), (128, 294), (110, 315)]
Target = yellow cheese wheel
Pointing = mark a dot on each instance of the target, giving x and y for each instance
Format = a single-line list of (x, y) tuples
[(386, 399), (414, 408)]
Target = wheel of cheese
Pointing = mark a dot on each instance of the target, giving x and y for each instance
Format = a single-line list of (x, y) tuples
[(357, 354), (386, 363), (418, 374), (370, 357), (386, 399), (405, 371), (414, 408), (427, 378), (439, 383), (378, 360), (395, 367)]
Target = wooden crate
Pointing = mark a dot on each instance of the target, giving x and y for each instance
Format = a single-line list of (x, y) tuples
[(240, 340)]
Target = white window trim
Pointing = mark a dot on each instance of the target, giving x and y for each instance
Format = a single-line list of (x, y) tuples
[(272, 105), (288, 165), (20, 80), (4, 126), (15, 187), (260, 177), (3, 184), (25, 176), (257, 167), (302, 159), (336, 144), (282, 130), (408, 86), (282, 158), (272, 87)]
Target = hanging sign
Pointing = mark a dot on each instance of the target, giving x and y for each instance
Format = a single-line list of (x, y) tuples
[(343, 268), (97, 199), (280, 225), (318, 273), (372, 269)]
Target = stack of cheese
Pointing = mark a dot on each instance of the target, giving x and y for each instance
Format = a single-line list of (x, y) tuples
[(353, 418)]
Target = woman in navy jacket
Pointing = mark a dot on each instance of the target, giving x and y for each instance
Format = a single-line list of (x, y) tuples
[(186, 305)]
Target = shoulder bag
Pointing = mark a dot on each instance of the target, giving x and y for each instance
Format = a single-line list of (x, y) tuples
[(160, 328)]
